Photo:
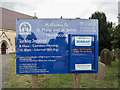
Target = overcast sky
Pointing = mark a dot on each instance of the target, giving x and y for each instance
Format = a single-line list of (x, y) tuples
[(64, 8)]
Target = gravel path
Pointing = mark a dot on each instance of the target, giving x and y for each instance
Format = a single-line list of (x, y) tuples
[(5, 69)]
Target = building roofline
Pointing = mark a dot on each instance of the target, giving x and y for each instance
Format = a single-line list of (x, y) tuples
[(14, 11)]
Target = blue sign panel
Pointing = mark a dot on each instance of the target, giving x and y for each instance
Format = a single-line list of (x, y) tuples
[(56, 46), (82, 54)]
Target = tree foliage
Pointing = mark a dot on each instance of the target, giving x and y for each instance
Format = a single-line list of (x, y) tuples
[(116, 37), (104, 30)]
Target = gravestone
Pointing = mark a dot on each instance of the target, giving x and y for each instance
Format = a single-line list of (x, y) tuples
[(113, 58), (106, 57), (101, 72), (117, 53), (112, 54)]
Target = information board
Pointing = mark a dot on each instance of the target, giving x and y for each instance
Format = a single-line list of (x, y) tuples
[(43, 46), (82, 54)]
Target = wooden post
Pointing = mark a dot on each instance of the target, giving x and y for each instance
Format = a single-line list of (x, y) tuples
[(35, 81), (76, 80), (35, 77)]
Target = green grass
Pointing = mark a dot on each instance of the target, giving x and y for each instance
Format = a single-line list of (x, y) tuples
[(64, 80), (110, 81)]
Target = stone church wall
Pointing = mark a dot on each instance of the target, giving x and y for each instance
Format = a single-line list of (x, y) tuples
[(9, 39)]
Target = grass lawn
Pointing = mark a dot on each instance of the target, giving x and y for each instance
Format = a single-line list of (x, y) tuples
[(64, 80)]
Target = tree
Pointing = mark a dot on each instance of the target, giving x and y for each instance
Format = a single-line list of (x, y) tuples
[(116, 37), (118, 18), (104, 30)]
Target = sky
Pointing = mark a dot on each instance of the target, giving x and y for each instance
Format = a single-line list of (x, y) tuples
[(65, 8)]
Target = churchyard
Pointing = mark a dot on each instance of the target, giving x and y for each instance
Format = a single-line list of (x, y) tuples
[(107, 76)]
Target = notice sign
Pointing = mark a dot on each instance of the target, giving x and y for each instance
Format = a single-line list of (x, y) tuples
[(42, 45), (83, 41), (83, 66)]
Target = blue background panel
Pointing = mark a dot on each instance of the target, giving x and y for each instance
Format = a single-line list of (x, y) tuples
[(82, 54), (42, 45)]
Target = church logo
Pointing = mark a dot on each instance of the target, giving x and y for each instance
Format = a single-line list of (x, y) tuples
[(25, 28)]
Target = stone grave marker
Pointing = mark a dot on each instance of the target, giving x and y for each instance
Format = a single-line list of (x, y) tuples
[(117, 53), (106, 57), (101, 72), (112, 54)]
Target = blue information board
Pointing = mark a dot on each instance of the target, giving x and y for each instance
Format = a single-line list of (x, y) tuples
[(56, 46)]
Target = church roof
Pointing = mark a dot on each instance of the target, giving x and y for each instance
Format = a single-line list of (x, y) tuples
[(8, 18)]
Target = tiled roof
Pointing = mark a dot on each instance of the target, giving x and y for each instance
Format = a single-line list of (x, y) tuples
[(8, 18)]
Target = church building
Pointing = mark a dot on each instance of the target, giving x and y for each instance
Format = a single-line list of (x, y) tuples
[(8, 29)]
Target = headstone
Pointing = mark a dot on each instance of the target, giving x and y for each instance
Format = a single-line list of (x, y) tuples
[(113, 58), (117, 53), (101, 72), (106, 57), (112, 54)]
